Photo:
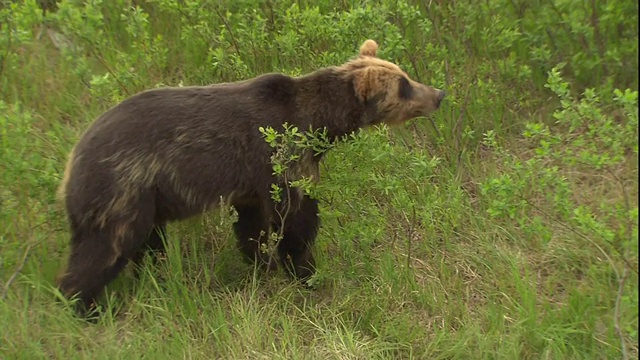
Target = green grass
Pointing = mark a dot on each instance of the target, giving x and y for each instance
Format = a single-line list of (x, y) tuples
[(503, 227)]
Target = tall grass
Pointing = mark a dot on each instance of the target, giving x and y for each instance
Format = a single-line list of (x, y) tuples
[(504, 226)]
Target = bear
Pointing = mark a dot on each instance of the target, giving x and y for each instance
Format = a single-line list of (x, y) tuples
[(170, 153)]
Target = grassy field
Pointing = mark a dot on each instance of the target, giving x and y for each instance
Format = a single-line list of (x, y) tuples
[(505, 226)]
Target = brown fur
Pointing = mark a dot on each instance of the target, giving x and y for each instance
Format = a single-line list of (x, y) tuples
[(169, 154)]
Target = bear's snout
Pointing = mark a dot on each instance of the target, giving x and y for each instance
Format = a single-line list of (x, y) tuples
[(430, 98), (441, 94)]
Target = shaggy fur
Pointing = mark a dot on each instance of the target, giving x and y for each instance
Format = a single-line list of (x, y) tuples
[(171, 153)]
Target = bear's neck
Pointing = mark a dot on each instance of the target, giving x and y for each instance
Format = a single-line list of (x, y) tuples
[(326, 99)]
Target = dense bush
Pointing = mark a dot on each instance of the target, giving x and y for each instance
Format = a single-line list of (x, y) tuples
[(504, 225)]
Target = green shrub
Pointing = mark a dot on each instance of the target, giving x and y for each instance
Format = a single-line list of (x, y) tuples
[(503, 226)]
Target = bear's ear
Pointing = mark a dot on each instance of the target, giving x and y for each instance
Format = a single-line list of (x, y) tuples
[(369, 48)]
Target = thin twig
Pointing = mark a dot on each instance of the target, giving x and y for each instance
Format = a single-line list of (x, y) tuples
[(458, 127), (627, 204), (410, 237), (9, 44), (104, 63), (616, 315), (435, 127), (283, 218), (25, 257), (441, 42), (228, 27)]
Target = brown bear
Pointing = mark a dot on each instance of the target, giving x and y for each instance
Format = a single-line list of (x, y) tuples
[(171, 153)]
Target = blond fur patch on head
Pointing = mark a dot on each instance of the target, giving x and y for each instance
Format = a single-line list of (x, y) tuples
[(369, 48), (371, 76)]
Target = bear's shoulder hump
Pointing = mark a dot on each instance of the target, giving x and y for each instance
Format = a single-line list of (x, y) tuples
[(275, 87)]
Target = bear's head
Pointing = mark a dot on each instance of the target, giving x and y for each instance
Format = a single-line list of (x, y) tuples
[(396, 97)]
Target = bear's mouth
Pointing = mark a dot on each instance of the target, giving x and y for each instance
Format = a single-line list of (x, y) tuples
[(421, 113)]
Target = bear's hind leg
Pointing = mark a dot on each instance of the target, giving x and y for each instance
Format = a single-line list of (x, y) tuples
[(99, 254), (93, 263), (300, 230)]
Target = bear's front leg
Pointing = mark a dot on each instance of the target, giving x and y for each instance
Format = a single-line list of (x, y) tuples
[(300, 229), (154, 246), (252, 230)]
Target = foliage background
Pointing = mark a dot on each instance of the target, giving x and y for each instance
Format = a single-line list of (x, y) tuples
[(504, 226)]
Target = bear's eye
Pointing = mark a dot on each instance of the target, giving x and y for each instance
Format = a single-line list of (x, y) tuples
[(405, 89)]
